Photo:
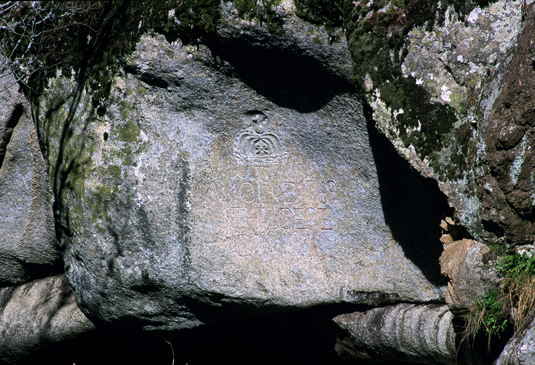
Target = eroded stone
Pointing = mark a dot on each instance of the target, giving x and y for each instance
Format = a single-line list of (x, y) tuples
[(28, 245), (403, 332), (470, 275), (36, 314)]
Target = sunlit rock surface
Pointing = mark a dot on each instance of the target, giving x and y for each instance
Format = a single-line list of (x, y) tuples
[(237, 180)]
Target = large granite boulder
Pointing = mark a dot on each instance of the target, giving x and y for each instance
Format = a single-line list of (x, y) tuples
[(451, 85), (28, 245), (239, 179)]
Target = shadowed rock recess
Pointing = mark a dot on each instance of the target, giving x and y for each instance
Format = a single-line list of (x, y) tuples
[(239, 200)]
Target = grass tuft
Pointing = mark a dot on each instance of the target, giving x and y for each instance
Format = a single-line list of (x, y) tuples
[(499, 310)]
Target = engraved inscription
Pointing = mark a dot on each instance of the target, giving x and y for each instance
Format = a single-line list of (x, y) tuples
[(260, 214), (268, 206)]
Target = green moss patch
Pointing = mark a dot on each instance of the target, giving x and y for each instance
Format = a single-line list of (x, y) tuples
[(327, 13), (128, 132), (93, 38), (423, 124), (263, 11)]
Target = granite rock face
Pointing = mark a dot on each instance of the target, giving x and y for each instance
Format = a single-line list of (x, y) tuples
[(521, 347), (244, 176), (28, 245), (403, 332), (35, 310), (476, 67), (36, 314), (228, 181)]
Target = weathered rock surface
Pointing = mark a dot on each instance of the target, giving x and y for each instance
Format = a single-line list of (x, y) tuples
[(28, 246), (11, 100), (403, 332), (477, 69), (507, 133), (225, 181), (470, 276), (520, 349), (36, 314)]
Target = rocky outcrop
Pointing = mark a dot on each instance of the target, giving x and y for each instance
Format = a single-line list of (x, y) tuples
[(37, 314), (460, 111), (232, 176), (28, 245), (521, 347), (244, 176), (403, 332), (36, 309), (507, 197), (470, 275)]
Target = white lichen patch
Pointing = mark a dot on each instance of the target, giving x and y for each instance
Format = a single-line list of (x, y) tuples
[(368, 83), (457, 54), (516, 167), (445, 94)]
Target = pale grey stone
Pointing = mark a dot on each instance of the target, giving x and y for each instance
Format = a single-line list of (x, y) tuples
[(38, 313), (226, 182), (520, 350), (28, 246)]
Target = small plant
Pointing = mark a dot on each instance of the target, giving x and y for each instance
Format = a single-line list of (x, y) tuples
[(487, 315), (498, 310), (518, 271), (463, 108), (516, 267)]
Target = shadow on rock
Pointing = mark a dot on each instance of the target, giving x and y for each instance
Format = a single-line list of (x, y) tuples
[(287, 77), (413, 206), (306, 337)]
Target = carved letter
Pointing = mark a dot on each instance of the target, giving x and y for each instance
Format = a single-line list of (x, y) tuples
[(316, 247), (286, 218), (247, 194)]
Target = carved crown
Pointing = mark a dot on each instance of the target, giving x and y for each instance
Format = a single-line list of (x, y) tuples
[(258, 147)]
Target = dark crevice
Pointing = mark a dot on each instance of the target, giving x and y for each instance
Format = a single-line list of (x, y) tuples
[(182, 216), (171, 36), (413, 206), (286, 76), (35, 271), (493, 227), (450, 71), (148, 77), (477, 350), (8, 131), (304, 337)]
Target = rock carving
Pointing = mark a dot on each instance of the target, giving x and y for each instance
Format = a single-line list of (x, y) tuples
[(257, 146)]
